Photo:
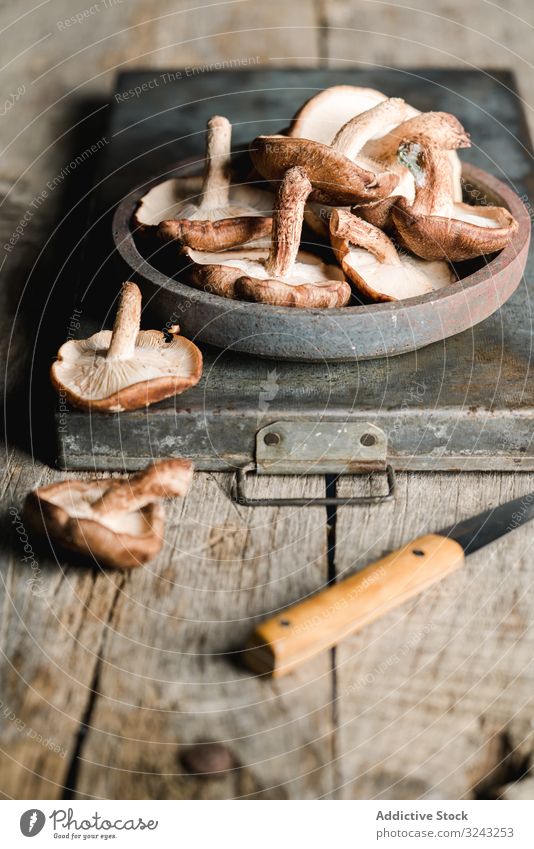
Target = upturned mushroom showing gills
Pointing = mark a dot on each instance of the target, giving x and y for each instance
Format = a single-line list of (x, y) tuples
[(323, 115), (207, 213), (125, 368), (369, 258), (117, 523), (340, 173), (282, 276), (435, 226)]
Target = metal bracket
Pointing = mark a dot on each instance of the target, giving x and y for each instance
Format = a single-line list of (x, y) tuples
[(333, 448)]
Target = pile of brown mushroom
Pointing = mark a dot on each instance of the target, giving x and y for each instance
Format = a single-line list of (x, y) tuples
[(376, 182), (378, 186)]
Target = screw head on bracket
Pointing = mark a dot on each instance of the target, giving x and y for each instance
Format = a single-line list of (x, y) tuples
[(271, 438)]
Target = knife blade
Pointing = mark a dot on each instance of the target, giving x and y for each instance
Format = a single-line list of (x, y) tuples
[(295, 635)]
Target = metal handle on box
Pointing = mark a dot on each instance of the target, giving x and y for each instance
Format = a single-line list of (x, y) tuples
[(333, 448)]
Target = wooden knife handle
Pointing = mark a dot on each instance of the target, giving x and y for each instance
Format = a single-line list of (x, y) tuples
[(298, 633)]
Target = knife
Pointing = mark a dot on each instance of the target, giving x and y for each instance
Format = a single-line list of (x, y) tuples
[(293, 636)]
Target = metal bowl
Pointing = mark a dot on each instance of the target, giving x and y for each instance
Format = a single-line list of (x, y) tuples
[(332, 335)]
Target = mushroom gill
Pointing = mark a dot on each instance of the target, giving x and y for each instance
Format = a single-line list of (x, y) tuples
[(371, 261), (435, 226), (208, 213), (323, 115), (439, 129), (283, 276), (117, 523), (320, 117), (125, 368)]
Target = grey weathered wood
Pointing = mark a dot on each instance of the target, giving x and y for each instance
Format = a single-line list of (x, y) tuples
[(167, 676), (421, 692), (54, 619)]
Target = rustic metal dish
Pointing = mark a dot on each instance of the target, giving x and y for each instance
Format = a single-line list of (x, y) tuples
[(360, 332)]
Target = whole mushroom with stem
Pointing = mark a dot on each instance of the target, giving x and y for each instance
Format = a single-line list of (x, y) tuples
[(378, 271), (340, 173), (435, 226), (282, 276), (117, 523), (439, 129), (207, 213), (125, 368)]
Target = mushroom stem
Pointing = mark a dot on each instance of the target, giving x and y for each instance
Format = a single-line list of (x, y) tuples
[(346, 227), (216, 185), (350, 139), (160, 480), (432, 172), (288, 215), (127, 323)]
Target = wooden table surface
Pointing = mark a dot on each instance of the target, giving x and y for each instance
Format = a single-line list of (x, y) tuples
[(107, 677)]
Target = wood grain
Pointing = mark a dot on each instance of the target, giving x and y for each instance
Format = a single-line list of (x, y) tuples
[(118, 674), (170, 674), (422, 691), (296, 635)]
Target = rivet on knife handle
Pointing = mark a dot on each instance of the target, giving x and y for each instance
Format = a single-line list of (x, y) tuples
[(300, 632)]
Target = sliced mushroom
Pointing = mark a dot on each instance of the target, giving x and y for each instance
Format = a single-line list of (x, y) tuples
[(435, 226), (117, 523), (340, 173), (439, 129), (369, 258), (208, 213), (125, 368), (282, 276), (321, 117)]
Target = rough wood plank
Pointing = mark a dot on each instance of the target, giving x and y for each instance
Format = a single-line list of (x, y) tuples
[(422, 692), (168, 678), (53, 619)]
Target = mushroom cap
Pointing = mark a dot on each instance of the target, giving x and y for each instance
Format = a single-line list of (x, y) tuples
[(320, 118), (336, 179), (221, 234), (171, 210), (62, 511), (371, 261), (467, 232), (242, 275), (158, 369)]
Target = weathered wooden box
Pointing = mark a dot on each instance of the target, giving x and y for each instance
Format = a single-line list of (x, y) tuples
[(464, 404)]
